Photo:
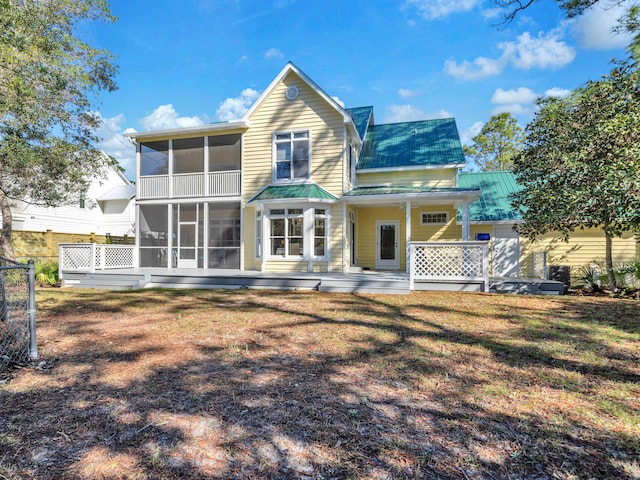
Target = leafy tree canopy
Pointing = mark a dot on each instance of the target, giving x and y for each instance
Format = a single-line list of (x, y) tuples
[(497, 144), (580, 166), (49, 81)]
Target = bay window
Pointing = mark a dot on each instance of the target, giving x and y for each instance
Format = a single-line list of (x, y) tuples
[(295, 233)]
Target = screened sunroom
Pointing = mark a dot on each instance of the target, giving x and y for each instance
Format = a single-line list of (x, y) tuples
[(189, 209)]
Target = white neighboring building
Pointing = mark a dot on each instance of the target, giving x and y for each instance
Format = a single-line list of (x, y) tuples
[(108, 207)]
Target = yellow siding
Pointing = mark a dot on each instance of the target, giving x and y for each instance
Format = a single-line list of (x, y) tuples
[(441, 177), (249, 239), (584, 247), (286, 266), (336, 239), (366, 234), (308, 111), (434, 233), (366, 231)]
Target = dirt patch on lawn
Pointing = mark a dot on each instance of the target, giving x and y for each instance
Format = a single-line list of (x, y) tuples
[(253, 384)]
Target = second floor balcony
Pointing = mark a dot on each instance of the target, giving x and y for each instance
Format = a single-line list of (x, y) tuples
[(185, 185), (203, 166)]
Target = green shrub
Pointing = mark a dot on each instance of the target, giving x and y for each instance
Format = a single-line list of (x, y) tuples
[(47, 274)]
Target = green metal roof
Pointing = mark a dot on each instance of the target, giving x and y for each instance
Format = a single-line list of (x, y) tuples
[(427, 143), (308, 191), (402, 189), (494, 203), (361, 117)]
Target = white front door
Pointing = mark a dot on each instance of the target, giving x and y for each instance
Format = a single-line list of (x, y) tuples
[(387, 245), (187, 245), (506, 252)]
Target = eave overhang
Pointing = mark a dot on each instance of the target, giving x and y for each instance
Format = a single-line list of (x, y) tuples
[(216, 128)]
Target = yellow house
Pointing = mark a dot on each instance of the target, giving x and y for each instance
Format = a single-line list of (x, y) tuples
[(298, 184)]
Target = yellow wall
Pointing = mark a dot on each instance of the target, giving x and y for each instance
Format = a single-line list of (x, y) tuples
[(308, 111), (366, 230), (584, 247), (292, 266), (440, 177)]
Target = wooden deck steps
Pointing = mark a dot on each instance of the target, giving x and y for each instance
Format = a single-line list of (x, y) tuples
[(526, 286)]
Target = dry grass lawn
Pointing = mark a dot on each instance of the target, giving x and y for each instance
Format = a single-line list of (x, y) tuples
[(258, 384)]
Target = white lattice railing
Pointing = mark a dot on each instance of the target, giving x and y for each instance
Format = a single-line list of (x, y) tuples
[(89, 257), (449, 261)]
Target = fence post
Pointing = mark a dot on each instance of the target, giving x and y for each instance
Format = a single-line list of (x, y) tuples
[(31, 280), (92, 261)]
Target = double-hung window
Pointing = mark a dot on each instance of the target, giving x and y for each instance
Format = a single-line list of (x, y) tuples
[(292, 155), (286, 232)]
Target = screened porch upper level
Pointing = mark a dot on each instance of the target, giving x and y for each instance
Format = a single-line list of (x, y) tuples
[(203, 166)]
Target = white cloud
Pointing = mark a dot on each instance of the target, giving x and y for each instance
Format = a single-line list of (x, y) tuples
[(234, 108), (518, 101), (408, 93), (113, 143), (557, 92), (273, 54), (409, 113), (481, 67), (403, 113), (544, 51), (165, 116), (438, 114), (519, 95), (467, 134), (513, 108), (430, 9), (491, 13), (594, 28), (338, 101)]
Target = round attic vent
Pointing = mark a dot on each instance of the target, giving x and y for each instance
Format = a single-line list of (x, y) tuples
[(291, 93)]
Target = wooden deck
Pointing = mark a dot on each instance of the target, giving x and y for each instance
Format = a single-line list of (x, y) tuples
[(360, 282)]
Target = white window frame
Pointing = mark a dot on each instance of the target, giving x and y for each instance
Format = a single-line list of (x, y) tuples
[(259, 235), (275, 142), (440, 212), (308, 216), (326, 218)]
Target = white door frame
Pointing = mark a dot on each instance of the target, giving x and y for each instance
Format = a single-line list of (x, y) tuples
[(391, 263), (188, 262)]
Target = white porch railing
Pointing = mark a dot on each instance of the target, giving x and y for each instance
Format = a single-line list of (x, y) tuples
[(156, 186), (449, 262), (222, 184), (89, 257), (212, 184)]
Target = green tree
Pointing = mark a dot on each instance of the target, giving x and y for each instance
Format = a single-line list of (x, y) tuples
[(497, 144), (580, 166), (49, 81)]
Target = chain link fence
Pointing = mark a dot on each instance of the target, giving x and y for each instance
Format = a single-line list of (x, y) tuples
[(17, 313)]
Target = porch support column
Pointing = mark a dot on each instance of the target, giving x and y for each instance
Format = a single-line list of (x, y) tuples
[(466, 230), (407, 221)]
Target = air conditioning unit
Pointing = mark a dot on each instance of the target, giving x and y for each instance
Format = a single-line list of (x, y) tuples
[(560, 273)]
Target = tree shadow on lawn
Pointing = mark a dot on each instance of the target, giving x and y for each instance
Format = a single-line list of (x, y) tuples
[(272, 404)]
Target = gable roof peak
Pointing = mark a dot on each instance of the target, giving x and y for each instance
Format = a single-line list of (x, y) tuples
[(288, 68)]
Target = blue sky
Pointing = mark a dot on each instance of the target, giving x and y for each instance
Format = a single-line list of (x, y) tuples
[(194, 62)]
